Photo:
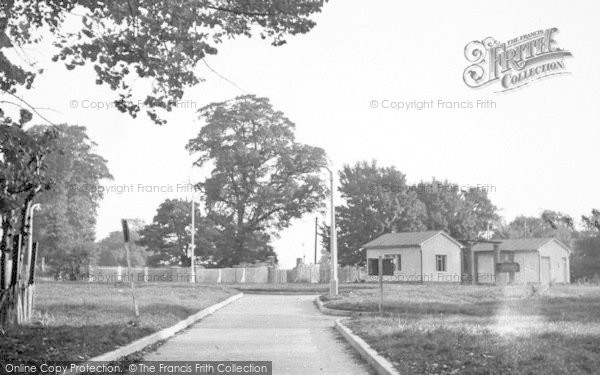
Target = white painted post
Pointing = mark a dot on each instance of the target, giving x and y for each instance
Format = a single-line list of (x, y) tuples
[(380, 269), (243, 280), (219, 278), (146, 278), (119, 272)]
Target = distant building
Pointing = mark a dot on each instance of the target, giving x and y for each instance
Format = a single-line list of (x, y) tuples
[(540, 260), (431, 256), (436, 257)]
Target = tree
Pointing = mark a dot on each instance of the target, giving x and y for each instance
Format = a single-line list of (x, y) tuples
[(65, 225), (112, 249), (168, 237), (261, 177), (163, 40), (463, 213), (585, 259), (377, 201), (549, 224)]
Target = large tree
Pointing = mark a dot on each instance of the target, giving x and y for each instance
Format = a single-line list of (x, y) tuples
[(376, 201), (66, 223), (464, 213), (168, 238), (261, 176)]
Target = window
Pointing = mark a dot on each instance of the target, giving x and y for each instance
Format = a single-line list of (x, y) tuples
[(440, 263), (398, 262), (373, 267), (388, 267)]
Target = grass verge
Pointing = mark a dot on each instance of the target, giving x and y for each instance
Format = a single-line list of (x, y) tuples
[(482, 330), (77, 321)]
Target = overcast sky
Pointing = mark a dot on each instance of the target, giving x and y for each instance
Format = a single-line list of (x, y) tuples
[(536, 148)]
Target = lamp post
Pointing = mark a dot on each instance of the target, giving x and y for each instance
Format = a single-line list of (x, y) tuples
[(193, 269), (333, 284)]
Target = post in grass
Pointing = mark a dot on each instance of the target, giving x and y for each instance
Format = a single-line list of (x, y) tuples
[(126, 241)]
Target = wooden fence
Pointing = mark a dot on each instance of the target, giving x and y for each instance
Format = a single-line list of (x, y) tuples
[(248, 275)]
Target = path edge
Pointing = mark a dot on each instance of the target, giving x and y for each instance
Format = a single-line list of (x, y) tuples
[(381, 365), (338, 312), (153, 338)]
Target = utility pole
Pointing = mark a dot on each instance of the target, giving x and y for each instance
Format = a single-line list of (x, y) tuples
[(193, 269), (333, 285), (316, 236)]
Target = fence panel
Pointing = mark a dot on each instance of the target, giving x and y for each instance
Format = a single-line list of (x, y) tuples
[(255, 275)]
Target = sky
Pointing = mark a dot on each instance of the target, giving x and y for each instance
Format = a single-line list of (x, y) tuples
[(534, 149)]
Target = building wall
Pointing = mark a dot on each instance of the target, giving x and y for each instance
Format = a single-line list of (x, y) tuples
[(441, 245), (484, 267), (411, 263), (559, 262), (529, 265)]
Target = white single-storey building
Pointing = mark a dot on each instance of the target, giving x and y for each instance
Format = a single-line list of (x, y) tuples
[(540, 260), (431, 256)]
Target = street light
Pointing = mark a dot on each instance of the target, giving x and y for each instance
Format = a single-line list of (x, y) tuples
[(333, 284), (193, 269)]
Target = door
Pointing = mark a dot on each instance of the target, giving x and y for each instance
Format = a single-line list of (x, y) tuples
[(485, 268), (545, 270)]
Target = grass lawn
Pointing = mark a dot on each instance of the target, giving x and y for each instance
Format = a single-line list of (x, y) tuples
[(77, 321), (480, 330)]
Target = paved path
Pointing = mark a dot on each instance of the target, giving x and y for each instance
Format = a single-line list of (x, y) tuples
[(288, 330)]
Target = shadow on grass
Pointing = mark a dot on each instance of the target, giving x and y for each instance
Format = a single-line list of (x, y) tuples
[(37, 344), (93, 330)]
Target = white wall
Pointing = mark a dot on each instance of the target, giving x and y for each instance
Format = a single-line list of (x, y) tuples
[(529, 265), (441, 245), (411, 263), (557, 269)]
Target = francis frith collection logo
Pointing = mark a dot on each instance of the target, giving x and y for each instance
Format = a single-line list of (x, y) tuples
[(514, 63)]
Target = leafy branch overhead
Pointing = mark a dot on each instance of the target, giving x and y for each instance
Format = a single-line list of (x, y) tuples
[(162, 40)]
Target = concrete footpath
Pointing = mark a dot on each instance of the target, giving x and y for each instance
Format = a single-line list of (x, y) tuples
[(287, 330)]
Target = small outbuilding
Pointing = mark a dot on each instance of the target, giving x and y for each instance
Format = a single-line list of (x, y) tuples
[(431, 256), (539, 260)]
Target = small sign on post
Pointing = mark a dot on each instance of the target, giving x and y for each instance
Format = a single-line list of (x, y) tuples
[(507, 267), (126, 240)]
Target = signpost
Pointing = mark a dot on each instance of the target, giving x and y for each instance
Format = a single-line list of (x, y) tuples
[(126, 238), (380, 271), (507, 267)]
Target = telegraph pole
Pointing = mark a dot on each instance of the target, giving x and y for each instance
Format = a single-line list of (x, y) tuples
[(316, 236)]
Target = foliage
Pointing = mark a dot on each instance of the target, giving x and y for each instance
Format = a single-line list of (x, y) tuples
[(112, 249), (163, 40), (377, 201), (585, 259), (168, 237), (65, 225), (261, 177), (549, 224), (462, 213)]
